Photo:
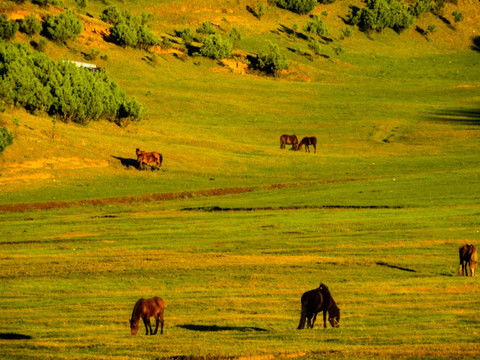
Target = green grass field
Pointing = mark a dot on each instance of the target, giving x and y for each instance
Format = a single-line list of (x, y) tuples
[(233, 229)]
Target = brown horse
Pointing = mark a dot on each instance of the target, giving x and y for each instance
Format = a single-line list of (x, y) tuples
[(468, 256), (317, 300), (150, 158), (307, 141), (288, 139), (145, 309)]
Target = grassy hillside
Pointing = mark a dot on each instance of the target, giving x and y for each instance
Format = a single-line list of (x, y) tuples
[(232, 230)]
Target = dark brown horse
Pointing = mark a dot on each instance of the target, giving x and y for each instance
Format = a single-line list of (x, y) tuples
[(307, 141), (468, 256), (150, 158), (288, 139), (317, 300), (145, 309)]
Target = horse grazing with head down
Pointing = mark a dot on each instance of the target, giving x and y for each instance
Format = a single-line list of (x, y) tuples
[(150, 158), (288, 139), (468, 256), (317, 300), (145, 309), (307, 141)]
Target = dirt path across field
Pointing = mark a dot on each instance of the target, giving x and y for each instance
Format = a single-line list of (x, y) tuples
[(156, 197)]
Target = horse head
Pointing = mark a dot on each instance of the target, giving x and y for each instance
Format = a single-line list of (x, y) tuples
[(133, 326), (334, 319)]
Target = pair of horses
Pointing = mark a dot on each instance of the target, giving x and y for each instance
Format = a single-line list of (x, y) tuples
[(313, 302), (296, 145), (468, 258), (149, 158)]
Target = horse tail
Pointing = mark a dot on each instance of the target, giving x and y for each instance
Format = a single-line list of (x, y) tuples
[(303, 314)]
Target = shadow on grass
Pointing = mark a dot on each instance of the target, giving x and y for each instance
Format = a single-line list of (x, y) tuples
[(214, 328), (476, 44), (14, 336), (128, 162), (381, 263), (456, 116)]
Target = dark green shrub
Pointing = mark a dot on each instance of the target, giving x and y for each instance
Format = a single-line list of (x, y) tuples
[(457, 16), (298, 6), (215, 47), (206, 29), (381, 14), (31, 25), (272, 60), (347, 32), (8, 28), (129, 30), (316, 26), (81, 4), (326, 1), (63, 26), (6, 138), (41, 45), (92, 55), (187, 36), (124, 35), (421, 7), (111, 15), (315, 46), (235, 36), (45, 3)]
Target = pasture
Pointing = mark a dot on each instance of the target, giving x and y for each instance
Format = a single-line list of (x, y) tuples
[(232, 230)]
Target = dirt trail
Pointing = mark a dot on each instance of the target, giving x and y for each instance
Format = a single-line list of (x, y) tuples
[(156, 197)]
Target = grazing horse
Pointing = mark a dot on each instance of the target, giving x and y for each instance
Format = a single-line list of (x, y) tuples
[(145, 309), (307, 141), (317, 300), (468, 255), (288, 139), (149, 158)]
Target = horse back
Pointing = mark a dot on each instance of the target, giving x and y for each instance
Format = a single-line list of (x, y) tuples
[(467, 252), (312, 301), (148, 307)]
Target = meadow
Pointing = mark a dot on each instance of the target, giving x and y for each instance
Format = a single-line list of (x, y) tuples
[(232, 230)]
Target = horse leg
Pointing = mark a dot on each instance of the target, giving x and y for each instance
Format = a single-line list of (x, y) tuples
[(160, 315), (314, 148), (157, 321), (314, 318), (325, 319), (309, 321), (147, 324)]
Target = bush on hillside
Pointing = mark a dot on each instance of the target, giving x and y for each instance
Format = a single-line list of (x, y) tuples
[(381, 14), (35, 82), (6, 138), (45, 3), (63, 26), (272, 60), (298, 6), (421, 7), (31, 25), (8, 28), (111, 15), (215, 47), (130, 30), (316, 26)]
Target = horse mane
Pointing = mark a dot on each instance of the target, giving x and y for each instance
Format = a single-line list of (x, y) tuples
[(331, 304), (135, 312)]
